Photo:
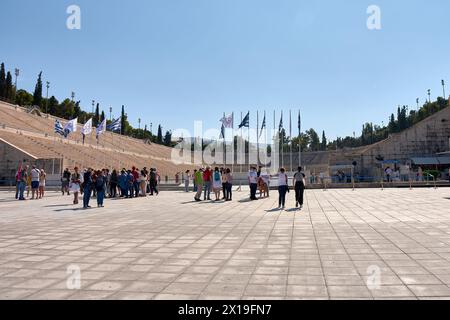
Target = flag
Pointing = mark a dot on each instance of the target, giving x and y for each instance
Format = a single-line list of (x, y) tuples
[(101, 128), (263, 124), (246, 121), (115, 125), (87, 128), (222, 132), (71, 126), (280, 127), (59, 128), (227, 121)]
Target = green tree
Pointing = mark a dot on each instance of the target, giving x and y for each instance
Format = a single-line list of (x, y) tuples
[(24, 98), (9, 91), (323, 145), (37, 96), (53, 106), (122, 120), (67, 109), (168, 138), (2, 81), (96, 119), (102, 116), (314, 144), (159, 138)]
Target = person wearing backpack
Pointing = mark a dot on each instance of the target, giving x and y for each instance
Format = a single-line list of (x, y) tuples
[(217, 183), (100, 187)]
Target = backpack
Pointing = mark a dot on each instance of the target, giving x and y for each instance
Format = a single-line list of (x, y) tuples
[(99, 183), (153, 175), (217, 176)]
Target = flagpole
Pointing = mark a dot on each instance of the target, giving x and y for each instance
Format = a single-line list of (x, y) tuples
[(273, 140), (282, 140), (232, 141), (290, 136), (224, 144), (240, 170), (299, 139), (257, 137), (248, 134)]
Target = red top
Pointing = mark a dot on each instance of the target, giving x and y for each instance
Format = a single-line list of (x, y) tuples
[(207, 175), (135, 175)]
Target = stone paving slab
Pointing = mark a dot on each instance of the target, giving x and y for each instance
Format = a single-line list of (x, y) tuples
[(344, 244)]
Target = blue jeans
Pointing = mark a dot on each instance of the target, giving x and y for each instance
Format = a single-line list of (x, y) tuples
[(282, 190), (100, 197), (207, 190), (86, 197), (21, 190)]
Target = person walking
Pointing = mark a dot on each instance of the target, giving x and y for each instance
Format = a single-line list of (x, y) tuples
[(198, 180), (217, 183), (42, 180), (299, 187), (18, 179), (35, 174), (282, 188), (187, 180), (253, 183), (100, 186), (207, 182), (65, 179), (75, 184), (87, 188)]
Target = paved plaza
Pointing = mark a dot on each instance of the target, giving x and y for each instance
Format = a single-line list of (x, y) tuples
[(344, 244)]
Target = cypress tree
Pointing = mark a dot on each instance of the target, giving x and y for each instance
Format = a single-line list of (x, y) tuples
[(9, 93), (2, 81), (159, 139), (96, 119), (122, 121), (37, 96), (102, 116), (324, 141)]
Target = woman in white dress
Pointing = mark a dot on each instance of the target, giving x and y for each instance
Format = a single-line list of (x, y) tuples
[(42, 178)]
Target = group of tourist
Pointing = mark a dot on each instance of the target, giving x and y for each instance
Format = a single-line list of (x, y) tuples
[(101, 184), (220, 182), (31, 180)]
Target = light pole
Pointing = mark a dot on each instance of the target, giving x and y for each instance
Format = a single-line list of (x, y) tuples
[(110, 113), (151, 129), (93, 103), (47, 85), (17, 72), (443, 88), (139, 123), (73, 96), (429, 95), (417, 101)]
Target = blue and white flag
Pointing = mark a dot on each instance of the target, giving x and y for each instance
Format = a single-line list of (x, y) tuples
[(222, 132), (280, 127), (59, 128), (227, 121), (263, 125), (101, 128), (71, 126), (115, 125), (245, 122), (87, 128)]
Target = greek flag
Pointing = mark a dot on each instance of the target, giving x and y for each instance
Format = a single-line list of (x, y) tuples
[(222, 132), (71, 126), (280, 127), (245, 122), (115, 125), (59, 128)]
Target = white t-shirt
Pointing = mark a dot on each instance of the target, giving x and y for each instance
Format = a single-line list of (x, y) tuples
[(253, 177), (35, 173), (282, 179)]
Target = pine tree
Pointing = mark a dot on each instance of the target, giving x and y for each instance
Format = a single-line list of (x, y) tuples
[(96, 119), (122, 120), (168, 138), (9, 93), (159, 138), (102, 116), (2, 81)]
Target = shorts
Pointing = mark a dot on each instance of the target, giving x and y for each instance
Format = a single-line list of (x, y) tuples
[(34, 184)]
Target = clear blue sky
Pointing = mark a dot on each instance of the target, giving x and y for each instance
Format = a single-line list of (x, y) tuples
[(176, 61)]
